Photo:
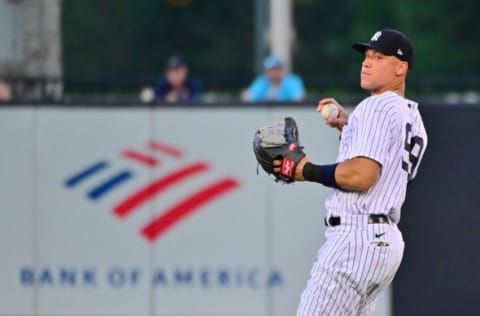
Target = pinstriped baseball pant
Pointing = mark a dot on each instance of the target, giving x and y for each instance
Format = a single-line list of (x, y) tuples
[(356, 262)]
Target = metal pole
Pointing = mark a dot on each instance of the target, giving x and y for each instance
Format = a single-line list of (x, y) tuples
[(42, 49), (260, 27), (281, 30)]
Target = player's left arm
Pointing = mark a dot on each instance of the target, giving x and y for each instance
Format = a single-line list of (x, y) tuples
[(357, 174), (367, 152)]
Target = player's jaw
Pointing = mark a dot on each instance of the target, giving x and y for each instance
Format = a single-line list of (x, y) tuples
[(371, 81)]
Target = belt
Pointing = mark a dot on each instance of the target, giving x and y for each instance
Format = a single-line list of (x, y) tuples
[(372, 219)]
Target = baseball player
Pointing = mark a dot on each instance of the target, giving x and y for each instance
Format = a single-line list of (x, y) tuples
[(381, 146)]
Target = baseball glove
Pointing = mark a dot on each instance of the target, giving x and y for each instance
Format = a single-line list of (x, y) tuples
[(278, 140)]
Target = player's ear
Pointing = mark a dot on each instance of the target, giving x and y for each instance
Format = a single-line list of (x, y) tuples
[(402, 68)]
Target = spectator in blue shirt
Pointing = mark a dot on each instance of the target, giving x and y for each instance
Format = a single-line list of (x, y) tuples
[(275, 84), (176, 85)]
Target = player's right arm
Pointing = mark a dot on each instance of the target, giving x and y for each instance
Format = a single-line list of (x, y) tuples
[(336, 122)]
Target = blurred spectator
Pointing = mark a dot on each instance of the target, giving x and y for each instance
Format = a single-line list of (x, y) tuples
[(176, 85), (5, 92), (276, 84)]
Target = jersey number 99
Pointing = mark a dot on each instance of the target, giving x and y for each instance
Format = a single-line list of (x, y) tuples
[(414, 146)]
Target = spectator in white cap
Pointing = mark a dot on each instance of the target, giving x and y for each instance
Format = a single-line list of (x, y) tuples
[(276, 84)]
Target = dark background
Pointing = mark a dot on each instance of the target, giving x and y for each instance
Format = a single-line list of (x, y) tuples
[(440, 272), (117, 44)]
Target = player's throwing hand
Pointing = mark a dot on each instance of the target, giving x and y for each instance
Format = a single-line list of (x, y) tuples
[(340, 120)]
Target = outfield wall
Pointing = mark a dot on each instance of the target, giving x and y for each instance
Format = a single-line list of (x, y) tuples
[(159, 211)]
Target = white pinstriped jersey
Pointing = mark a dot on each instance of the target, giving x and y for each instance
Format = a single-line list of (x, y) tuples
[(387, 128)]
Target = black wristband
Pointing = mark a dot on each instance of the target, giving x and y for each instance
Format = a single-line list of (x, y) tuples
[(324, 174)]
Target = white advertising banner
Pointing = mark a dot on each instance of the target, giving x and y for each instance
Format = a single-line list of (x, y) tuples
[(154, 211)]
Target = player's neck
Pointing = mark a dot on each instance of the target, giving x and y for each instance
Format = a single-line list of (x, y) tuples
[(397, 87)]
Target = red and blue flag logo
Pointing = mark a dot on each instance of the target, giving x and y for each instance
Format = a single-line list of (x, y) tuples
[(152, 157)]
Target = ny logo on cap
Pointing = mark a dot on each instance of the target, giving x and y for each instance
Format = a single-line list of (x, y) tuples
[(376, 36), (399, 52)]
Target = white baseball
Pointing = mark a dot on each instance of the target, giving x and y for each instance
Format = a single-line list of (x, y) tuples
[(329, 110)]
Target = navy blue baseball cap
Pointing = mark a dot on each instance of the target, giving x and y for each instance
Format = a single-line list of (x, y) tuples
[(390, 42), (176, 61)]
